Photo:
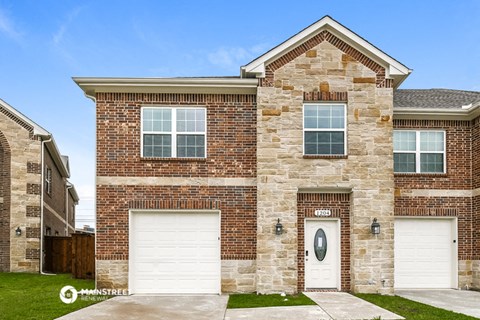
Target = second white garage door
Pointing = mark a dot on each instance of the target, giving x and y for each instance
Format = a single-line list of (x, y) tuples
[(174, 252), (424, 253)]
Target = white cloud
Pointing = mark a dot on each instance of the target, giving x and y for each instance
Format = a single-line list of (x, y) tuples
[(8, 28), (58, 38), (234, 57)]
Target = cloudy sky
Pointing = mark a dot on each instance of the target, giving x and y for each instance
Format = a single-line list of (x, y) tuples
[(43, 43)]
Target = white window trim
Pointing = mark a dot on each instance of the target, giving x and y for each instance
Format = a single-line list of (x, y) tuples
[(417, 151), (174, 131), (48, 180), (344, 130)]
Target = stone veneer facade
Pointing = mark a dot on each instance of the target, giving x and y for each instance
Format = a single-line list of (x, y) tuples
[(256, 173), (20, 195), (19, 192), (323, 72)]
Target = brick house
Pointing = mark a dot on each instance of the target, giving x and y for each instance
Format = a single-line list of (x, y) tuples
[(35, 193), (194, 175)]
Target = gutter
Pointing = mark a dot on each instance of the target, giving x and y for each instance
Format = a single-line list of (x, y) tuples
[(234, 85), (42, 187), (437, 114), (68, 187)]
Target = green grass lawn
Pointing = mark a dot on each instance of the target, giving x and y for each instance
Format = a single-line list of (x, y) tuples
[(252, 300), (35, 296), (412, 310)]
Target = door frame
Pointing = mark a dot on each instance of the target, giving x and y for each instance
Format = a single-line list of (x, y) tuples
[(132, 212), (454, 253), (339, 248)]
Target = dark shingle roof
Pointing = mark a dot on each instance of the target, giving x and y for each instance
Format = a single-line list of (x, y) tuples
[(434, 98)]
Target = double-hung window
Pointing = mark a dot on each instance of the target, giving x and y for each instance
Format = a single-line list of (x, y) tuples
[(169, 132), (48, 180), (419, 151), (324, 129)]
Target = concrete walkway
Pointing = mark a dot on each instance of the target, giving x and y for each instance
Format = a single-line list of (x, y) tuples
[(461, 301), (331, 305), (341, 305)]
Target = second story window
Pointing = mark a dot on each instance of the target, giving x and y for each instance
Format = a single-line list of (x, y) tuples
[(173, 132), (324, 127), (48, 180), (419, 151)]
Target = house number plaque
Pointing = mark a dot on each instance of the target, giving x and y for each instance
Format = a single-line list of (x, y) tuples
[(323, 213)]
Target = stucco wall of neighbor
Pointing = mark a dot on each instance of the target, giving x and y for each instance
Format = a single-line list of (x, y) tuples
[(324, 72), (111, 274), (24, 149), (238, 276)]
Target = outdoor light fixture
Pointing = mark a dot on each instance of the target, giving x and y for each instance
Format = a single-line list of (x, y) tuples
[(375, 227), (18, 231), (278, 228)]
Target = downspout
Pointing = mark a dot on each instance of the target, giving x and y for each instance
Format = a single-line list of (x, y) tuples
[(69, 186), (42, 187)]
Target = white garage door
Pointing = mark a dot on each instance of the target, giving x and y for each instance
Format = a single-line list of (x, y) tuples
[(424, 253), (174, 252)]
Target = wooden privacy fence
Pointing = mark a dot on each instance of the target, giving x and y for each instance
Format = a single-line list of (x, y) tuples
[(75, 255)]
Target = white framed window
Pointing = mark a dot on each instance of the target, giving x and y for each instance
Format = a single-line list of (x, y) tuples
[(173, 132), (48, 180), (324, 129), (417, 151)]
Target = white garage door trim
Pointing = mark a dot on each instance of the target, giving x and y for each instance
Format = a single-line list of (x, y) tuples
[(453, 256), (216, 289)]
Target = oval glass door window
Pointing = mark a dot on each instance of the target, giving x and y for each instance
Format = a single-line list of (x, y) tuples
[(320, 244)]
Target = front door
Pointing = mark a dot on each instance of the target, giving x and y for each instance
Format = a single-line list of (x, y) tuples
[(322, 254)]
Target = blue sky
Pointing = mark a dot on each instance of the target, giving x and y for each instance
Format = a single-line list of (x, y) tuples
[(44, 43)]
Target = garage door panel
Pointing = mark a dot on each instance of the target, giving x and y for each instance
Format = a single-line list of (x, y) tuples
[(423, 253), (174, 252)]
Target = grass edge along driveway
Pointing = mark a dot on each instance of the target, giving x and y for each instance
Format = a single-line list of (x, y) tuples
[(35, 296), (412, 310)]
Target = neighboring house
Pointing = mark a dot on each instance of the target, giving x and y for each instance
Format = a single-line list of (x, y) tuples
[(35, 194), (194, 175)]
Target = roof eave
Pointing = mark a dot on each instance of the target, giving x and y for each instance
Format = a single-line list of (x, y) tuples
[(394, 68), (437, 114), (93, 85)]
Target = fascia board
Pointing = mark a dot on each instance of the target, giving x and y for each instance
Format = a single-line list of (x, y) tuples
[(167, 85), (437, 114), (327, 23), (37, 129), (57, 158)]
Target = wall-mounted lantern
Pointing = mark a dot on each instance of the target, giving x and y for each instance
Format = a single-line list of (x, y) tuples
[(375, 227), (278, 228), (18, 231)]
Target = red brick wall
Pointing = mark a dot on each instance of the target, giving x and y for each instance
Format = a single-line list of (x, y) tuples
[(339, 204), (459, 156), (237, 206), (476, 152), (231, 136), (443, 207), (56, 199)]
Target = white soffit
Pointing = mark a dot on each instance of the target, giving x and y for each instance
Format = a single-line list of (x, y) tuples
[(394, 68)]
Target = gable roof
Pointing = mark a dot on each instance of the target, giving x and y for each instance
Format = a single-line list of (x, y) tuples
[(393, 68), (23, 119), (39, 131)]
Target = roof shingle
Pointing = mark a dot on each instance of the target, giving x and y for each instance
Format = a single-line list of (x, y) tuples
[(434, 98)]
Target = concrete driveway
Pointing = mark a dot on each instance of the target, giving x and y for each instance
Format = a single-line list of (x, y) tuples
[(461, 301), (331, 305), (210, 307)]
